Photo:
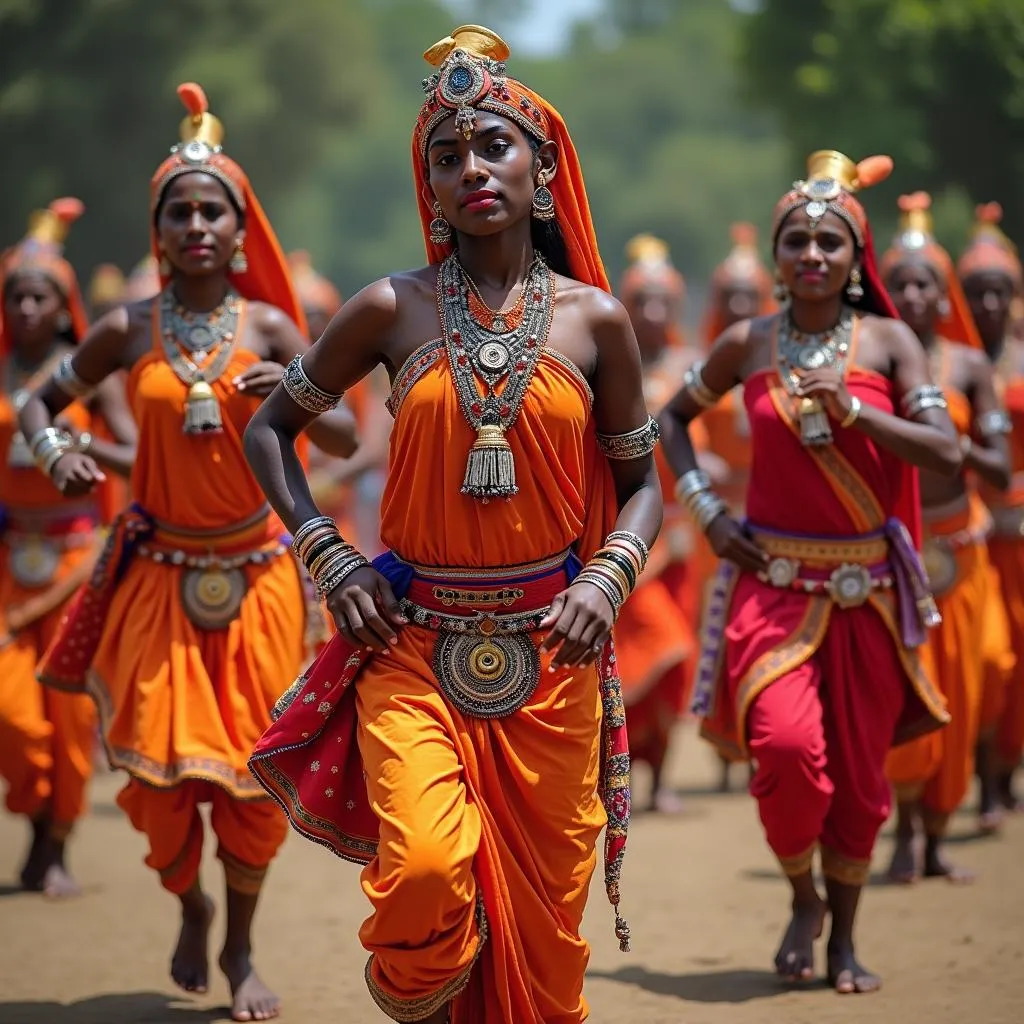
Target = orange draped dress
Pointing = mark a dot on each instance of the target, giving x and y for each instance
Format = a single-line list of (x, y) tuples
[(46, 738), (183, 707), (1006, 549), (938, 768), (485, 829)]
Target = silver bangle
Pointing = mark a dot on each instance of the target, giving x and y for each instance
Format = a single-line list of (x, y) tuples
[(635, 444), (693, 382), (633, 539), (304, 393), (994, 423), (69, 382), (691, 483), (925, 396)]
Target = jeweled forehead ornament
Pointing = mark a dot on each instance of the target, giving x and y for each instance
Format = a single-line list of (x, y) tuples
[(471, 75)]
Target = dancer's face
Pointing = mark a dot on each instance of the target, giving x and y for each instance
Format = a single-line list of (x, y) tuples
[(916, 293), (32, 307), (815, 260), (198, 225)]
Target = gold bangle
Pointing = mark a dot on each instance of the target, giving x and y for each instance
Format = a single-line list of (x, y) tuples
[(851, 416)]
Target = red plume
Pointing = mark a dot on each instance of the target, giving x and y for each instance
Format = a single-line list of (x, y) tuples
[(989, 213), (192, 96), (68, 209), (873, 170), (743, 234), (915, 201)]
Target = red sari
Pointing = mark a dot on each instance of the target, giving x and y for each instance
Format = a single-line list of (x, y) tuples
[(816, 693)]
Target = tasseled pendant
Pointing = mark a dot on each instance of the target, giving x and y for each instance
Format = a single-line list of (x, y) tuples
[(814, 428), (929, 611), (490, 467), (202, 410)]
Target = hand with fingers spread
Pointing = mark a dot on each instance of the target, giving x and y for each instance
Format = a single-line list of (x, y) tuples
[(260, 379), (829, 388), (366, 610), (729, 540), (579, 622), (75, 474)]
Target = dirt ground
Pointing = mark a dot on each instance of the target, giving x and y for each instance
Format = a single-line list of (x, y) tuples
[(701, 893)]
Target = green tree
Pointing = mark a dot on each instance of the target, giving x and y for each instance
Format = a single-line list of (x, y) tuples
[(939, 84)]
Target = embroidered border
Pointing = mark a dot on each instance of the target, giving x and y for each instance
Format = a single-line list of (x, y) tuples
[(712, 639), (242, 877), (799, 864), (421, 360), (845, 870), (564, 360), (404, 1010)]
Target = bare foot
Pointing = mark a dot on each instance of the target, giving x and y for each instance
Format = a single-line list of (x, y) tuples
[(990, 822), (190, 964), (847, 976), (58, 883), (250, 998), (937, 866), (795, 958), (903, 868), (665, 801)]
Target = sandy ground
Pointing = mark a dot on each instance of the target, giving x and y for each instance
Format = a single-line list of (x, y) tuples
[(701, 892)]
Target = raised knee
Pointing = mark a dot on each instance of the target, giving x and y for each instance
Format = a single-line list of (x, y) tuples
[(788, 746), (429, 865)]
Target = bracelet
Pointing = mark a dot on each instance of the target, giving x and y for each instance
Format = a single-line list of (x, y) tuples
[(69, 382), (692, 483), (693, 382), (304, 532), (851, 416), (994, 423), (304, 393), (635, 444), (610, 591), (48, 446), (326, 585), (925, 396), (633, 540)]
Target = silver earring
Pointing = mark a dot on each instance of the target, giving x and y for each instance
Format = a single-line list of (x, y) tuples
[(543, 200), (854, 290), (440, 229), (780, 291), (239, 261), (62, 322)]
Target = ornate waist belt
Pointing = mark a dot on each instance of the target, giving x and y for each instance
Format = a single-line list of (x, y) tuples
[(849, 570), (36, 539), (485, 661)]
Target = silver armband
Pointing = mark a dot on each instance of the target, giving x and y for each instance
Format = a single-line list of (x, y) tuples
[(926, 396), (69, 382), (636, 444), (994, 423), (304, 393), (693, 382)]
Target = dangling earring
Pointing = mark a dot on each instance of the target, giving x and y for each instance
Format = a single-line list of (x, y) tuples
[(440, 229), (164, 267), (543, 200), (239, 261), (854, 290), (62, 321), (943, 308), (780, 291)]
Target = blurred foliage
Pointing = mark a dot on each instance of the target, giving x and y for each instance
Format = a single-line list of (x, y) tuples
[(939, 84), (687, 114)]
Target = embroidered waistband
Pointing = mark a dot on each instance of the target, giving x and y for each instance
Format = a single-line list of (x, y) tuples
[(823, 552)]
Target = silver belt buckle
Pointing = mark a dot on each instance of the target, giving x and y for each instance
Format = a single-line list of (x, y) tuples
[(850, 585)]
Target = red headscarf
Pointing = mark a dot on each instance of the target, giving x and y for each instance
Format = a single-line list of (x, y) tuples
[(313, 289), (471, 76), (42, 250), (742, 268), (267, 278), (832, 180), (990, 249), (916, 242)]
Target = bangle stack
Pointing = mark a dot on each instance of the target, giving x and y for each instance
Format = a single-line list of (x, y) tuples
[(925, 396), (704, 506), (48, 446), (616, 567), (328, 557)]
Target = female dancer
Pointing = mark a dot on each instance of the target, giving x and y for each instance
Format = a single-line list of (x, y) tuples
[(47, 546), (931, 776), (821, 601), (473, 798), (185, 645)]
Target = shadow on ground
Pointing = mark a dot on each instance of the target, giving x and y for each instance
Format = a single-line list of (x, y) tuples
[(119, 1008), (714, 986)]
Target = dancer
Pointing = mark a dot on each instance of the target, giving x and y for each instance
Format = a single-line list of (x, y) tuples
[(194, 618), (47, 546), (521, 445), (809, 661), (931, 775), (654, 638), (990, 271)]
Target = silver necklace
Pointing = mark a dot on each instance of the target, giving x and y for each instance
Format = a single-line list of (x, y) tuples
[(199, 332)]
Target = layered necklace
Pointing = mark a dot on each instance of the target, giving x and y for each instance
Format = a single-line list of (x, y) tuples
[(198, 347), (797, 353), (493, 355)]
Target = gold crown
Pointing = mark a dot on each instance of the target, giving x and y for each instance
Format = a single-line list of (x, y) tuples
[(830, 164), (647, 249), (475, 40)]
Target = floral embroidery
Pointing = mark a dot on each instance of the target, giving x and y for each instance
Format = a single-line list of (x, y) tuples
[(314, 766)]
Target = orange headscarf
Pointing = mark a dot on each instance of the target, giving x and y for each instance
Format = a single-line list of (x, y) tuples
[(916, 242), (742, 268), (651, 266), (313, 289), (267, 278), (471, 76), (42, 250), (990, 249)]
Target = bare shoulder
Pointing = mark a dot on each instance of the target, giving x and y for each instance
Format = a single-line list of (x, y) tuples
[(598, 308), (894, 334), (268, 319)]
